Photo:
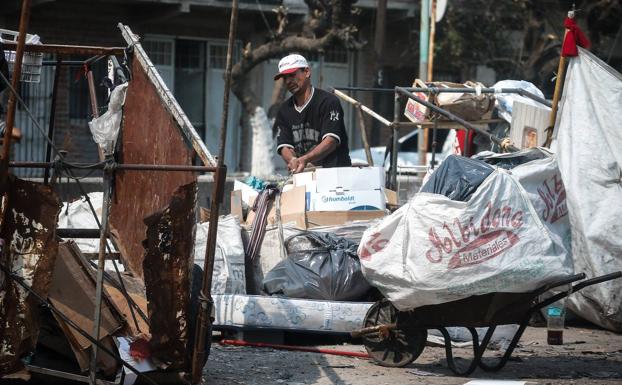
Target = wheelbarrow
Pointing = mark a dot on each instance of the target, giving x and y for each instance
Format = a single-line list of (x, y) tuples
[(396, 338)]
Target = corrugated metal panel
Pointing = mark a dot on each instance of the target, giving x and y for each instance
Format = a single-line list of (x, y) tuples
[(150, 135), (167, 268)]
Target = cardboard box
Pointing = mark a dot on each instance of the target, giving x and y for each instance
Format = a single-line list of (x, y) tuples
[(293, 211), (349, 179), (346, 200), (304, 178)]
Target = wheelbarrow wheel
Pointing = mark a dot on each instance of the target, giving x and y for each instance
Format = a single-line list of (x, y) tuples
[(394, 347)]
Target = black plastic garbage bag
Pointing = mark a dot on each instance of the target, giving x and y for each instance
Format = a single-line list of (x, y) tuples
[(330, 270), (458, 177)]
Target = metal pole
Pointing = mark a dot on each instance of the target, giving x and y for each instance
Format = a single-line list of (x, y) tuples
[(10, 118), (48, 148), (394, 147), (424, 41), (100, 274), (455, 90), (114, 166), (206, 303), (449, 115), (431, 43)]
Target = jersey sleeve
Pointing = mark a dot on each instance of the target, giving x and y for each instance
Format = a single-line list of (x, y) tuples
[(283, 133), (332, 120)]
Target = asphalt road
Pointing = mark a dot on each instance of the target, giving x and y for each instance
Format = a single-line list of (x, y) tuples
[(588, 356)]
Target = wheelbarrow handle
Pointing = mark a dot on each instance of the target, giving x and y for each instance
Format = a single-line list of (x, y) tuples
[(565, 281), (595, 280), (577, 287)]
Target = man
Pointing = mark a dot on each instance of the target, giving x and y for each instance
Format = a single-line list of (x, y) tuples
[(309, 125)]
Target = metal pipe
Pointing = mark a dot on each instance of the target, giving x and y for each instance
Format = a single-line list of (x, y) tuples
[(17, 72), (204, 311), (68, 63), (67, 50), (455, 118), (520, 91), (48, 147), (366, 109), (100, 273), (114, 166), (295, 348), (395, 150), (77, 233)]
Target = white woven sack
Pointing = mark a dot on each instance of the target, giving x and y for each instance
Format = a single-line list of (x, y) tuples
[(435, 250)]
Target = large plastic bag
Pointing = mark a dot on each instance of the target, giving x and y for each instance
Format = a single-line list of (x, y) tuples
[(229, 276), (329, 270), (457, 177), (435, 250), (105, 128)]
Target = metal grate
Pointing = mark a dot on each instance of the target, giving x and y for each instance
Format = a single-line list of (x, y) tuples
[(32, 146)]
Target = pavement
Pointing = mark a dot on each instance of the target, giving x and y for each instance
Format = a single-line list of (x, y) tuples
[(588, 356)]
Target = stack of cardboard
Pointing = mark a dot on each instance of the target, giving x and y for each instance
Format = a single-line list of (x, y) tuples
[(323, 197)]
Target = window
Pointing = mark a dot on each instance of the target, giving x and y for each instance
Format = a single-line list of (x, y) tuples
[(160, 51)]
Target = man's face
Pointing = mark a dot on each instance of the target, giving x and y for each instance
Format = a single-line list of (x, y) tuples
[(297, 81)]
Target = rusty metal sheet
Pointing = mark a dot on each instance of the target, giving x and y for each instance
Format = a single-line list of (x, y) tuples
[(31, 248), (150, 135), (167, 271), (72, 292)]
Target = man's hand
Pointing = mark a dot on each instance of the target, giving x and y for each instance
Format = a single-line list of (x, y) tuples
[(297, 165)]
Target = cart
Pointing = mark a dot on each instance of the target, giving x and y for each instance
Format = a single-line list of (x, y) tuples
[(396, 338)]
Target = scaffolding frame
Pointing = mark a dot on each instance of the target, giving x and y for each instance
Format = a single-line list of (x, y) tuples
[(402, 93)]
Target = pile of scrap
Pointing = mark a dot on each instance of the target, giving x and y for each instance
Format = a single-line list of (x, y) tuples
[(132, 311)]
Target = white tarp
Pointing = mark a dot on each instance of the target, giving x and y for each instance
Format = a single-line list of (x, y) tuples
[(435, 250), (589, 147)]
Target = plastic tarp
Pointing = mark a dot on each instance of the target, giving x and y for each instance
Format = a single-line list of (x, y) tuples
[(589, 143), (329, 269), (457, 177), (435, 250)]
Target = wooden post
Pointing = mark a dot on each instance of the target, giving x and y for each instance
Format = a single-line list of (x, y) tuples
[(559, 82), (370, 160)]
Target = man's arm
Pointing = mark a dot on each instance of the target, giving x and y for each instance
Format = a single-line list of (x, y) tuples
[(319, 152)]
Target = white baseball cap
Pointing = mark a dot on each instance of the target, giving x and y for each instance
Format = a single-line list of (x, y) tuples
[(291, 63)]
